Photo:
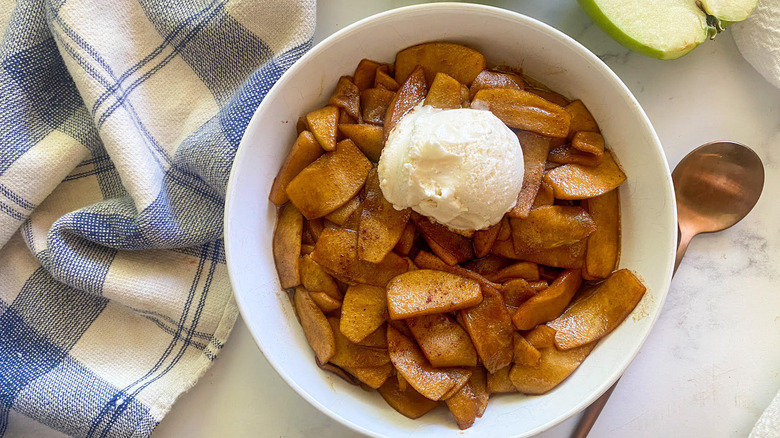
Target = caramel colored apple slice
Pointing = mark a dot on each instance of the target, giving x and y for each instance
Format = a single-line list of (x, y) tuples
[(369, 138), (409, 360), (304, 151), (553, 368), (549, 303), (381, 225), (490, 328), (597, 313), (323, 123), (425, 291), (330, 181), (336, 252), (315, 326), (286, 246), (444, 92), (407, 401), (575, 181), (524, 110), (458, 61), (412, 92)]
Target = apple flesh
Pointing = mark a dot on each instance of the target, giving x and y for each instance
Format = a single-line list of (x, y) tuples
[(665, 29)]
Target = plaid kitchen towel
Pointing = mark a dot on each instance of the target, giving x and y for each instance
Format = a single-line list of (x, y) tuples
[(119, 121)]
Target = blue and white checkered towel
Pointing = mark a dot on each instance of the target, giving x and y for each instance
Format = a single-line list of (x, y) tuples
[(119, 121)]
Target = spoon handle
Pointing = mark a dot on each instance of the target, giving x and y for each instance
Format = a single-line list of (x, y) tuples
[(685, 238), (593, 411)]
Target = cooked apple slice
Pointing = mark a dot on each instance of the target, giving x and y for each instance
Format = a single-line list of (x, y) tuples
[(451, 247), (405, 243), (581, 118), (443, 341), (365, 73), (426, 291), (535, 149), (589, 142), (603, 247), (344, 374), (384, 80), (575, 181), (373, 377), (499, 382), (566, 154), (553, 368), (286, 246), (345, 119), (541, 337), (325, 302), (526, 270), (369, 138), (306, 249), (340, 215), (483, 240), (463, 406), (550, 227), (315, 279), (524, 110), (525, 353), (315, 326), (336, 252), (351, 355), (409, 360), (478, 383), (426, 260), (377, 338), (304, 151), (363, 310), (381, 225), (374, 103), (412, 92), (407, 402), (330, 181), (346, 97), (549, 303), (301, 125), (490, 328), (516, 292), (494, 79), (567, 256), (444, 92), (323, 123), (597, 313), (487, 266), (460, 62), (314, 227)]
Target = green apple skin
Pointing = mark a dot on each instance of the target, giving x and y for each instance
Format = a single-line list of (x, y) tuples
[(720, 12), (597, 15)]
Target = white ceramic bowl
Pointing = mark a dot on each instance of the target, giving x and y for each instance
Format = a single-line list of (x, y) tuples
[(648, 214)]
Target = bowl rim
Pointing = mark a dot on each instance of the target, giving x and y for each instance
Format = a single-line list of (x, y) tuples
[(465, 8)]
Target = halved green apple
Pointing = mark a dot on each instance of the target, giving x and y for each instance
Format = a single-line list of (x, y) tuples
[(665, 29)]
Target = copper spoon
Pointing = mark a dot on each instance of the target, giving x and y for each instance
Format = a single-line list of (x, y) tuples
[(716, 186)]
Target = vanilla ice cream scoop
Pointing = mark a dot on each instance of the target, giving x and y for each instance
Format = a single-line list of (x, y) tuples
[(462, 167)]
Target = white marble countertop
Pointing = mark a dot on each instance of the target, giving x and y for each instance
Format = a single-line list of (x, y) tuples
[(712, 362)]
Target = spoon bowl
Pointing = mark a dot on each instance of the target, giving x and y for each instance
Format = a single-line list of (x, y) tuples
[(716, 186)]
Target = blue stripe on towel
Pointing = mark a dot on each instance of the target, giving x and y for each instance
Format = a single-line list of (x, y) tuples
[(59, 314)]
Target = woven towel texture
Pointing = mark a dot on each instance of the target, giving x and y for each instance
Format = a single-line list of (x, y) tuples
[(119, 121)]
